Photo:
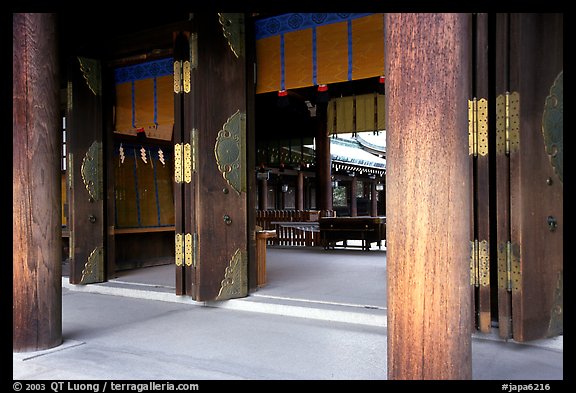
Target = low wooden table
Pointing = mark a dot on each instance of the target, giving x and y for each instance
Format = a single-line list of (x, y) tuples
[(261, 237), (366, 229)]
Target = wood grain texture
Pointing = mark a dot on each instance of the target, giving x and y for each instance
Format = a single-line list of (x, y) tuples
[(536, 59), (428, 196), (36, 214)]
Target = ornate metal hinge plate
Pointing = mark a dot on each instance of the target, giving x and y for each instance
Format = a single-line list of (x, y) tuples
[(94, 267), (553, 125), (235, 283), (233, 30), (229, 151), (91, 71), (91, 171)]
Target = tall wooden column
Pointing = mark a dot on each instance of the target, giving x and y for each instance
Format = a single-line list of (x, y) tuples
[(262, 194), (323, 161), (36, 210), (427, 82), (373, 199), (300, 191), (353, 198)]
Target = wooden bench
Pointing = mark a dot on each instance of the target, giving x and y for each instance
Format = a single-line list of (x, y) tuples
[(341, 229)]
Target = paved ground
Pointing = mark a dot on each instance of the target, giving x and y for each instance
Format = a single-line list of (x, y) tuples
[(122, 338), (135, 328)]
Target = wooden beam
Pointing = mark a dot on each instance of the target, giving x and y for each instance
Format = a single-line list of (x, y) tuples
[(36, 211), (427, 86)]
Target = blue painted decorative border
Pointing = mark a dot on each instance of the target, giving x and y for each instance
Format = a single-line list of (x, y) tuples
[(286, 23), (150, 69)]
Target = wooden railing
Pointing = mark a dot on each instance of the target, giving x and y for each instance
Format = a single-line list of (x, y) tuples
[(287, 235)]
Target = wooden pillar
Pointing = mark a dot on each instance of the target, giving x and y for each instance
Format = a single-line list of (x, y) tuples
[(373, 199), (300, 191), (427, 81), (323, 161), (353, 199), (263, 194), (36, 209)]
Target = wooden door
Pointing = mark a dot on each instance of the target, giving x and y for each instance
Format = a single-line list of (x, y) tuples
[(210, 159), (480, 158), (85, 171), (535, 101), (516, 155)]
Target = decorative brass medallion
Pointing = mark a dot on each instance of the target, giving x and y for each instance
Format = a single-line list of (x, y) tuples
[(91, 170), (234, 284), (233, 30), (91, 70), (553, 125), (94, 267), (229, 151)]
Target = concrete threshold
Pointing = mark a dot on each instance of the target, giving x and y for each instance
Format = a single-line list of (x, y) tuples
[(292, 307)]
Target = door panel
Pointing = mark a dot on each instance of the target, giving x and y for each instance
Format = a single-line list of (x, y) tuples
[(517, 222), (480, 157), (85, 172), (536, 184), (502, 179), (213, 203)]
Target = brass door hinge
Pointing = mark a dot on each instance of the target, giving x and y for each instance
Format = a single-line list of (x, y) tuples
[(509, 273), (186, 249), (179, 249), (183, 153), (182, 75), (478, 127), (507, 123), (479, 263)]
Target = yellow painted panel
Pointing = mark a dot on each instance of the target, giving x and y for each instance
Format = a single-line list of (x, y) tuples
[(368, 47), (332, 53), (345, 114), (268, 72), (124, 108), (298, 58), (144, 103), (365, 105), (165, 108)]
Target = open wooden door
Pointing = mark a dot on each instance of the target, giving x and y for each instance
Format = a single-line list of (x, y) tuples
[(211, 190), (533, 102), (516, 150), (480, 154), (87, 191)]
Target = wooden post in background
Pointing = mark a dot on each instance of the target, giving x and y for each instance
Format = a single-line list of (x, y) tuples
[(427, 87), (323, 162), (373, 199), (36, 211), (353, 198), (300, 191), (262, 194)]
